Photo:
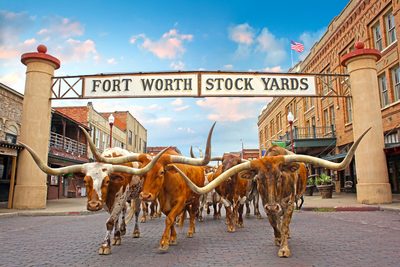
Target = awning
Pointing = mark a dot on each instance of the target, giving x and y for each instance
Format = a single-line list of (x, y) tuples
[(334, 157)]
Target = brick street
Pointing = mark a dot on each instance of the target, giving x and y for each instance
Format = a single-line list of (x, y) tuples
[(317, 239)]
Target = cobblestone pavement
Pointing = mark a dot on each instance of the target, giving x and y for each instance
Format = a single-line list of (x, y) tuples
[(317, 239)]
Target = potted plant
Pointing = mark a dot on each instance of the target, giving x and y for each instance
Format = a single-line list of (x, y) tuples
[(310, 185), (324, 185)]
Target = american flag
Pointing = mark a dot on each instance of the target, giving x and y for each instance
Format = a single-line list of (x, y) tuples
[(299, 47)]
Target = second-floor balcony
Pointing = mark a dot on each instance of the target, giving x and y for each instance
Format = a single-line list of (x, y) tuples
[(309, 137), (66, 147)]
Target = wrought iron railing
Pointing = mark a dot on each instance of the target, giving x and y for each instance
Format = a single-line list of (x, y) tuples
[(69, 145), (311, 132)]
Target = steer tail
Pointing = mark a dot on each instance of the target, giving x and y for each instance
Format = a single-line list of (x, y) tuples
[(131, 211)]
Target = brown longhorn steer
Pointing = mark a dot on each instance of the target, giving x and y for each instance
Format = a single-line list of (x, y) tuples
[(109, 187), (162, 182), (299, 176), (232, 191), (277, 190)]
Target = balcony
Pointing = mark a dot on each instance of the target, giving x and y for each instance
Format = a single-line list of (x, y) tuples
[(62, 146), (311, 137)]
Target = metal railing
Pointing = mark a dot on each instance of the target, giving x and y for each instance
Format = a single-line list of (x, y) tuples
[(69, 145), (311, 132)]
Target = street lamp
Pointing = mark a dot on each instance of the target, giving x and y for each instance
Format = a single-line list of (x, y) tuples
[(111, 122), (290, 119), (242, 154)]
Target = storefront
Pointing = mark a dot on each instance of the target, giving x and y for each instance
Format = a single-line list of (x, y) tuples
[(8, 164)]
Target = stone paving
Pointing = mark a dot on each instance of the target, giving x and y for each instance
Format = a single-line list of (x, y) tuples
[(317, 239)]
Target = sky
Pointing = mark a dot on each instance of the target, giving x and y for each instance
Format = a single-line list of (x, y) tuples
[(91, 37)]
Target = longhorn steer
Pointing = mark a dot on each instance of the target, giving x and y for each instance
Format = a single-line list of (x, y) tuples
[(299, 176), (277, 189), (163, 183), (109, 187)]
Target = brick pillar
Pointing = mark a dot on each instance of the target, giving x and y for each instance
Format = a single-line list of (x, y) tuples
[(31, 188), (372, 175)]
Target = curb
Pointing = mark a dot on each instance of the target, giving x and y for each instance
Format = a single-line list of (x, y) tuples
[(48, 213), (341, 209)]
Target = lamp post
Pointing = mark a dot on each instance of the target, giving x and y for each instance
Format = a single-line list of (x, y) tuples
[(290, 119), (111, 123), (242, 154)]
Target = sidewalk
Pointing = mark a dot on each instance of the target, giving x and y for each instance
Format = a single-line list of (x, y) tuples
[(339, 202)]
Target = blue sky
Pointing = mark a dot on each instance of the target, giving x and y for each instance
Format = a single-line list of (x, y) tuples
[(92, 37)]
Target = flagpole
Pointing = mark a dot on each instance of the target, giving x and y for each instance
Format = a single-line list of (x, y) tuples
[(291, 56)]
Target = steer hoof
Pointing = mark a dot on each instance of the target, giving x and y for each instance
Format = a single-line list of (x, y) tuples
[(240, 225), (284, 252), (104, 250), (259, 216), (231, 229), (123, 230), (116, 241), (136, 234), (247, 215), (173, 242), (163, 247), (201, 219), (143, 219), (189, 234)]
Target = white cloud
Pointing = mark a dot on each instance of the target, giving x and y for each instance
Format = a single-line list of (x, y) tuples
[(228, 66), (273, 47), (61, 27), (273, 69), (162, 121), (169, 46), (187, 130), (242, 34), (177, 102), (15, 80), (231, 109), (78, 51), (182, 108), (111, 61), (179, 65)]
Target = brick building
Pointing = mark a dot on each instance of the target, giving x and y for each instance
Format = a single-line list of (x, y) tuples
[(323, 126)]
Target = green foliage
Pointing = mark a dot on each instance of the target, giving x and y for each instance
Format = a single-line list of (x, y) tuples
[(323, 179), (311, 181)]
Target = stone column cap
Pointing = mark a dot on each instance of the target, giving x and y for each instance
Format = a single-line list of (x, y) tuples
[(41, 54), (360, 51)]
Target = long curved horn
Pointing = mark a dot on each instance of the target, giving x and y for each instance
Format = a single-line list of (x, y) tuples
[(216, 159), (196, 161), (47, 169), (132, 156), (214, 183), (148, 167), (326, 163), (191, 152)]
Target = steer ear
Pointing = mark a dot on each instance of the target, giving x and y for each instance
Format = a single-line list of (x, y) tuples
[(170, 168), (290, 167), (247, 174)]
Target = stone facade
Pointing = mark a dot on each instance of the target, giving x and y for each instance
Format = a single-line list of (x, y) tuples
[(10, 112)]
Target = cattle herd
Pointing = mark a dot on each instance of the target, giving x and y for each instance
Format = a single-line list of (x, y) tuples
[(123, 183)]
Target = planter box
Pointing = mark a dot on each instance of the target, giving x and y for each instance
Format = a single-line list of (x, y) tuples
[(325, 190)]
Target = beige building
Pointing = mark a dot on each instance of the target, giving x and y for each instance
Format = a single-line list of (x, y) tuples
[(127, 132), (323, 126)]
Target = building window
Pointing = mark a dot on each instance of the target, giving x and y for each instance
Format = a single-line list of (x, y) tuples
[(396, 82), (390, 28), (376, 30), (331, 115), (11, 138), (130, 137), (384, 90), (349, 110), (278, 122), (326, 119), (97, 139)]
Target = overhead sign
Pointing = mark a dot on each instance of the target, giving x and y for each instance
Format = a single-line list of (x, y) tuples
[(198, 84)]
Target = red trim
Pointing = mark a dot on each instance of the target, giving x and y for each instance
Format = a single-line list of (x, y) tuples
[(360, 52), (27, 56)]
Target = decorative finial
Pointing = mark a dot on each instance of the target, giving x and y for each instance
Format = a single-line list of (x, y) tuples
[(42, 49), (359, 45)]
